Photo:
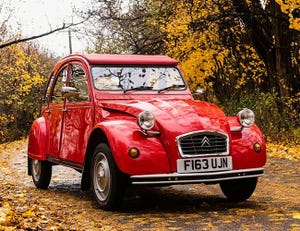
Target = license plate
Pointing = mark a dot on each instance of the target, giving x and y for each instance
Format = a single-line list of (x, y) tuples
[(209, 164)]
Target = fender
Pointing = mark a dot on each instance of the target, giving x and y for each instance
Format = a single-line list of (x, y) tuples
[(38, 143), (125, 134), (242, 146)]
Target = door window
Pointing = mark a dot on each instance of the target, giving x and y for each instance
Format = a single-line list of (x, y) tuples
[(57, 95), (47, 97), (78, 82)]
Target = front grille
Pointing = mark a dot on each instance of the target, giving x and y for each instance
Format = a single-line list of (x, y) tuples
[(202, 143)]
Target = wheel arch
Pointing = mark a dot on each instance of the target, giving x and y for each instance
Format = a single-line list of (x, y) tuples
[(38, 142), (97, 136)]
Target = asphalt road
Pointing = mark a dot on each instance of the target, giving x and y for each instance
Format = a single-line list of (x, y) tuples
[(275, 204)]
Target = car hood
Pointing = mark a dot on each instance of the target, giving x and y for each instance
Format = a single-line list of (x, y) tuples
[(176, 116)]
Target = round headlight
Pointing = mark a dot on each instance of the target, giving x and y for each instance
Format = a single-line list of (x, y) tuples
[(146, 120), (246, 117)]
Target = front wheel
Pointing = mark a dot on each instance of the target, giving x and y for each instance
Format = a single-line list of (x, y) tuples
[(108, 183), (238, 190), (41, 172)]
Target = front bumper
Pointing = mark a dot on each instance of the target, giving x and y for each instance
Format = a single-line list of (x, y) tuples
[(191, 178)]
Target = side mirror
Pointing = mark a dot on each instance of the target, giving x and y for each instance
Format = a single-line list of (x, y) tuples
[(69, 91), (199, 92)]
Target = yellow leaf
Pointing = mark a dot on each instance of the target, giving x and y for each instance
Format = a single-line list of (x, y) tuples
[(296, 215), (28, 214)]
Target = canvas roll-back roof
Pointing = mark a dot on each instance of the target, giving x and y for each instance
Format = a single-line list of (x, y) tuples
[(112, 59)]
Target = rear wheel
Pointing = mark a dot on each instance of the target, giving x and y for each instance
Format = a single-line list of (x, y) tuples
[(41, 172), (108, 183), (238, 190)]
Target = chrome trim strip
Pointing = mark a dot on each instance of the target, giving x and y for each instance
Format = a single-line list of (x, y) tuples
[(202, 132), (176, 178), (150, 133)]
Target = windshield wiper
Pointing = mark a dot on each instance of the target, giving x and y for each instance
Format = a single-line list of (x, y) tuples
[(139, 88), (171, 87)]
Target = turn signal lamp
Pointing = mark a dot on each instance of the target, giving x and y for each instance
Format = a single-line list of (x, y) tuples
[(257, 147), (134, 153)]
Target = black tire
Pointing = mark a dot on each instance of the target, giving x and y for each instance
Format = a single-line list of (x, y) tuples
[(239, 190), (108, 183), (41, 172)]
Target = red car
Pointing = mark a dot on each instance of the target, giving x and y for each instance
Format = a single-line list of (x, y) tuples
[(131, 119)]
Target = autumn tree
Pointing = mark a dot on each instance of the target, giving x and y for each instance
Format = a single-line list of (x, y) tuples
[(131, 27), (274, 31), (25, 67), (208, 41), (24, 70), (190, 31)]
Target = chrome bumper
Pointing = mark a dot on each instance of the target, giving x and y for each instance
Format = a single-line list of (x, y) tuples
[(191, 178)]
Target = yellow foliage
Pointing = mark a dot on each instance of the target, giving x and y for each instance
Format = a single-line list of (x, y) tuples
[(193, 38), (22, 75), (296, 215), (288, 7), (198, 51), (19, 73)]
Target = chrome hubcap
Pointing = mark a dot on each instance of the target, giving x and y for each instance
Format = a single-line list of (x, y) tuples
[(102, 177), (36, 169)]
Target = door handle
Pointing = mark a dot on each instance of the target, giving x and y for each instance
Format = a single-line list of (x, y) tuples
[(47, 111), (65, 109)]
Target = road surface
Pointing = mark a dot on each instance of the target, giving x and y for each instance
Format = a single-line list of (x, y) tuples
[(275, 204)]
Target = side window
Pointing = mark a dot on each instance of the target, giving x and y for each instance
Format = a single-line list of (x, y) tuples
[(57, 95), (78, 81), (47, 97)]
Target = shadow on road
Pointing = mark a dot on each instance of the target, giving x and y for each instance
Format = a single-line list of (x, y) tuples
[(172, 199)]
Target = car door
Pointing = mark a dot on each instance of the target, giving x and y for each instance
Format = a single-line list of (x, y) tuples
[(78, 117), (54, 111)]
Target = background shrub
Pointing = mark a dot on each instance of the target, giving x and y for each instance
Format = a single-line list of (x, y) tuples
[(278, 117)]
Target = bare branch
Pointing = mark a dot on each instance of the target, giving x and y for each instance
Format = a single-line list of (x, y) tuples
[(19, 40)]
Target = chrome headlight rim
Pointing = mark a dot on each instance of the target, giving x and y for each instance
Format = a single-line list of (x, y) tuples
[(246, 117), (146, 120)]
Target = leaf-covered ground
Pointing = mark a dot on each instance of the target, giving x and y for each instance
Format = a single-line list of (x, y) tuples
[(275, 204)]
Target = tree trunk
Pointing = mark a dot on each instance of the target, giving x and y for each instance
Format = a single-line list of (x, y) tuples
[(271, 36)]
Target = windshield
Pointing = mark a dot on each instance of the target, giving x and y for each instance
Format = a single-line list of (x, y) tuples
[(137, 78)]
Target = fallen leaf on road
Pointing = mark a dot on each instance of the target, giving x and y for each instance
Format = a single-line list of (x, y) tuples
[(296, 215)]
